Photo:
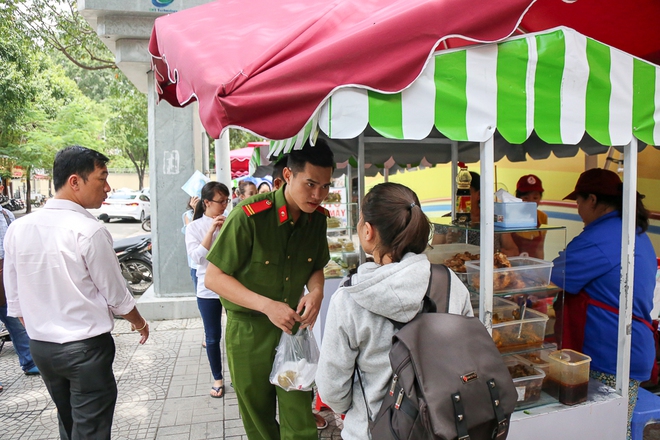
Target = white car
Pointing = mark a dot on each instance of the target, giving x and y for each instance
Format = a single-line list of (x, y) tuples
[(125, 205)]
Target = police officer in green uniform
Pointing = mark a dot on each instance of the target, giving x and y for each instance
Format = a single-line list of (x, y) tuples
[(270, 247)]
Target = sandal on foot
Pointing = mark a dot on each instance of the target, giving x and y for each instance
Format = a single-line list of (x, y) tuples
[(220, 389), (319, 417)]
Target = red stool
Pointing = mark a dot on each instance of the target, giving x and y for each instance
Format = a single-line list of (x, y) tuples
[(320, 406)]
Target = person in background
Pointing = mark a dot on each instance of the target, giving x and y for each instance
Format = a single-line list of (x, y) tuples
[(266, 254), (246, 189), (200, 235), (530, 189), (278, 168), (446, 234), (263, 188), (187, 217), (67, 293), (590, 270), (19, 337), (358, 331)]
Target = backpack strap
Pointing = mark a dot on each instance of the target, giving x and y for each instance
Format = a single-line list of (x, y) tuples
[(436, 298), (7, 219), (459, 417), (502, 422), (439, 287)]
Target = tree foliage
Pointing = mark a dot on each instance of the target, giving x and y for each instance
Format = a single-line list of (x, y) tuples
[(57, 23), (126, 130)]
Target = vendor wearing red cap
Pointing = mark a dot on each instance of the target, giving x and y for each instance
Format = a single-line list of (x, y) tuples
[(530, 189), (590, 270)]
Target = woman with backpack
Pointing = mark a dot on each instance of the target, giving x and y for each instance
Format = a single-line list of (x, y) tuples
[(358, 331)]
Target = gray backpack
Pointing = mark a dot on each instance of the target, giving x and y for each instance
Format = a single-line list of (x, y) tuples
[(449, 380)]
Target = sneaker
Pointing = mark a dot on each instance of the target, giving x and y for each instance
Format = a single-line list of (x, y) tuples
[(32, 371)]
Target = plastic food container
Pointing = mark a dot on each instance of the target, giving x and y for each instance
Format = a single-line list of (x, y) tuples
[(511, 333), (525, 273), (515, 215), (442, 252), (569, 376), (538, 359), (527, 380)]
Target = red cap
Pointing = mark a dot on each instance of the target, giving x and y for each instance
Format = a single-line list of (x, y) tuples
[(529, 183), (597, 181)]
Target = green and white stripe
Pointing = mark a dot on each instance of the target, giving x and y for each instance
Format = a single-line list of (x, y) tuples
[(558, 83)]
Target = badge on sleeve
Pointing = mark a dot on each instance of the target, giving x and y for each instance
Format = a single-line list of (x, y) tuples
[(254, 208)]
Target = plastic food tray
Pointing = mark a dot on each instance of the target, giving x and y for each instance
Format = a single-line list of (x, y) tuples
[(539, 358), (525, 273), (441, 252), (516, 215), (528, 387), (510, 333)]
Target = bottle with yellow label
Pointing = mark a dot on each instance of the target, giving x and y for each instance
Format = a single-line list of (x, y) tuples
[(463, 180)]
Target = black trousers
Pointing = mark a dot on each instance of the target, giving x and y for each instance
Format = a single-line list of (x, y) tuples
[(80, 381)]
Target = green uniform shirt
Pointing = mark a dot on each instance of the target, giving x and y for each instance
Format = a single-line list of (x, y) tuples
[(267, 252)]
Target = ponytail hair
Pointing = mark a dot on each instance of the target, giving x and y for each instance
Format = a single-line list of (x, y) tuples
[(208, 193), (395, 212)]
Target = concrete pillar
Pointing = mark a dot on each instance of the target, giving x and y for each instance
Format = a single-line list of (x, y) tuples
[(172, 143)]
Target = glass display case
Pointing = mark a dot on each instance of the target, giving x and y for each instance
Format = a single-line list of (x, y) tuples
[(523, 315), (342, 237)]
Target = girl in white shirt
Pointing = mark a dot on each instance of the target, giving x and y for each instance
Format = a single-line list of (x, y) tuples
[(200, 235)]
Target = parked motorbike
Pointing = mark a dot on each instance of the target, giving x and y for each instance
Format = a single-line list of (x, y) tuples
[(146, 224), (12, 204), (134, 255)]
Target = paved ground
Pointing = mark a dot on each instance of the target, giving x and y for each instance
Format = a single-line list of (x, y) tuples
[(163, 391)]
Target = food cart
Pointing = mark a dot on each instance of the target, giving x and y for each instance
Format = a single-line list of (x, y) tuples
[(555, 90)]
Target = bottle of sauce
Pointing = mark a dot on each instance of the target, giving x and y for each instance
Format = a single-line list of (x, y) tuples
[(463, 179)]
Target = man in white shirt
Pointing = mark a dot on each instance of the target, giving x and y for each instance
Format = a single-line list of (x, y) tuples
[(63, 281)]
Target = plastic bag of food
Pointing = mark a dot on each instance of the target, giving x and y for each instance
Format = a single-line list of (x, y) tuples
[(296, 360)]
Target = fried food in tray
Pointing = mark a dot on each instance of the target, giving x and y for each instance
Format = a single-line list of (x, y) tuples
[(334, 222), (510, 338), (507, 280), (457, 262)]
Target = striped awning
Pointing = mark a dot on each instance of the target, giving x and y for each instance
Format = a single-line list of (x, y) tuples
[(557, 83)]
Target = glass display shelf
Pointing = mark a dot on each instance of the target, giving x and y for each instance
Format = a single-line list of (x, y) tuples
[(539, 292), (447, 222), (544, 346)]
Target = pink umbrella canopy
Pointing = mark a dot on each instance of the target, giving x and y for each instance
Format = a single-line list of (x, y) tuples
[(266, 66), (240, 162)]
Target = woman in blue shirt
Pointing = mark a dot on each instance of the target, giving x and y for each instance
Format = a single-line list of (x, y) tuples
[(591, 269)]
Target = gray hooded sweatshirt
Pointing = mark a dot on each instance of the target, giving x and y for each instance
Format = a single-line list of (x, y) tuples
[(358, 332)]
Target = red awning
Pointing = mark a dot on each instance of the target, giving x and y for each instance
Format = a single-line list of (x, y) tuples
[(632, 26), (266, 65), (240, 162)]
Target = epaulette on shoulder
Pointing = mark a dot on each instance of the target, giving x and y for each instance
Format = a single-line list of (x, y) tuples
[(257, 207), (323, 211)]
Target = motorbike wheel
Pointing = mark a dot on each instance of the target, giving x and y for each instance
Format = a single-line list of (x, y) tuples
[(146, 224), (138, 275)]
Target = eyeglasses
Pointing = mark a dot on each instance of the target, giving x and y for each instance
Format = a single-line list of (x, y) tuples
[(220, 202)]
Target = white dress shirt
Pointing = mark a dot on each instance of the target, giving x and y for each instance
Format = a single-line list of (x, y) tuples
[(61, 274), (195, 233)]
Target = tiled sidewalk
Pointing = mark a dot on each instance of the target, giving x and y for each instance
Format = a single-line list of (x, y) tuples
[(163, 391)]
